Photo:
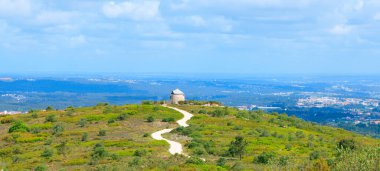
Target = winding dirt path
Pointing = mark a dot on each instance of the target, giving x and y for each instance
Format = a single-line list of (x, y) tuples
[(175, 147)]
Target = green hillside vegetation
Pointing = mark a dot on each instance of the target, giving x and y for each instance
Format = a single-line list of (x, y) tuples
[(273, 142), (106, 137)]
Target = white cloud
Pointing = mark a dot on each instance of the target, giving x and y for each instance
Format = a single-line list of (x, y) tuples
[(135, 10), (15, 7), (341, 29), (197, 21), (77, 40), (54, 17), (377, 16)]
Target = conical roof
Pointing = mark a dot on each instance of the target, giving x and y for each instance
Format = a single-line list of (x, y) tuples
[(177, 92)]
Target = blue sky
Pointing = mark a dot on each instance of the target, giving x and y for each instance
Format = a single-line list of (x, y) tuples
[(190, 36)]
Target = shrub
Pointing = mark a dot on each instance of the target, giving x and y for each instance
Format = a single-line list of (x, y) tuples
[(264, 157), (199, 151), (99, 151), (194, 160), (62, 148), (237, 127), (362, 158), (111, 121), (115, 157), (265, 133), (150, 119), (135, 162), (34, 115), (48, 142), (288, 147), (347, 144), (58, 129), (283, 160), (47, 153), (140, 152), (49, 108), (146, 135), (84, 136), (82, 122), (300, 134), (314, 155), (40, 168), (221, 161), (102, 132), (18, 126), (35, 130), (168, 120), (122, 117), (51, 118)]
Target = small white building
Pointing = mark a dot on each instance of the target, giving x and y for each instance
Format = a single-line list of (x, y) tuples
[(177, 96)]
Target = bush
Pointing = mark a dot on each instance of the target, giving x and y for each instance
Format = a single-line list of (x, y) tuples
[(314, 155), (51, 118), (84, 136), (347, 144), (150, 119), (111, 121), (18, 126), (362, 158), (62, 148), (122, 117), (221, 161), (82, 122), (47, 153), (199, 151), (195, 160), (49, 108), (283, 160), (168, 120), (288, 147), (58, 129), (264, 157), (40, 168), (35, 130), (34, 115), (146, 135), (102, 132), (140, 152), (99, 151)]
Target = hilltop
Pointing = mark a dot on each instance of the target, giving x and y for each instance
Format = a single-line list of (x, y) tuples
[(106, 137)]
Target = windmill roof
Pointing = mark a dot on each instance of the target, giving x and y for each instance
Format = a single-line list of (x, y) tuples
[(177, 91)]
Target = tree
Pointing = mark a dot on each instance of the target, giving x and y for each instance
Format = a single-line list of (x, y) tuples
[(49, 108), (237, 147), (18, 126)]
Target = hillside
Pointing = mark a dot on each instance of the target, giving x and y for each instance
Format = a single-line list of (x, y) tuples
[(107, 137)]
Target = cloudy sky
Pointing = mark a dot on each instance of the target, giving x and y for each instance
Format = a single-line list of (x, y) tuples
[(190, 36)]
